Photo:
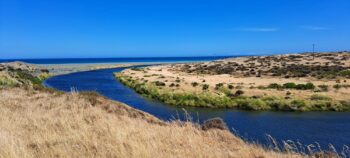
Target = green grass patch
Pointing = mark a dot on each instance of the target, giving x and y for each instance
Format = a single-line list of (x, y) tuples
[(7, 82), (291, 85)]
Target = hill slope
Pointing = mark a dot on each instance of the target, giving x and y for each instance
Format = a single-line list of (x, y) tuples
[(42, 124)]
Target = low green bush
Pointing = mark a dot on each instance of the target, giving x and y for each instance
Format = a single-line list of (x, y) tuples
[(159, 83), (307, 86), (44, 76), (27, 76), (7, 82), (251, 104), (338, 86), (136, 69), (274, 86), (230, 86), (225, 90), (298, 105), (344, 73), (291, 85), (218, 86), (194, 84), (239, 93), (320, 97), (323, 88), (205, 87)]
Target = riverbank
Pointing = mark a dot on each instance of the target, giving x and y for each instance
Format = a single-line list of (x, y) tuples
[(42, 122), (294, 82), (59, 69)]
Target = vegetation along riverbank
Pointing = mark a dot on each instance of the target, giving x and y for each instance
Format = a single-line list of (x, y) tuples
[(292, 82)]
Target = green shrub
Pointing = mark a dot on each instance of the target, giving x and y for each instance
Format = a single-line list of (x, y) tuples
[(321, 105), (337, 86), (344, 105), (238, 87), (205, 87), (288, 93), (218, 86), (307, 86), (320, 97), (7, 82), (252, 104), (239, 93), (172, 85), (276, 103), (225, 90), (289, 85), (297, 105), (194, 84), (274, 86), (44, 76), (345, 73), (28, 76), (159, 83), (136, 69), (323, 88), (310, 86), (261, 87), (230, 86)]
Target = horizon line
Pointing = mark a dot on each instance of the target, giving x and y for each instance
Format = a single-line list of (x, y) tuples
[(137, 57)]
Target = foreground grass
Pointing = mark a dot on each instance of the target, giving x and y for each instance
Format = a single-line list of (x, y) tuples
[(227, 100), (42, 124)]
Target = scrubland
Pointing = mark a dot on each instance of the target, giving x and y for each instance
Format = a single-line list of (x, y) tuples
[(293, 82)]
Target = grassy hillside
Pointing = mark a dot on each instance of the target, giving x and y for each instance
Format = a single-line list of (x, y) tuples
[(41, 124)]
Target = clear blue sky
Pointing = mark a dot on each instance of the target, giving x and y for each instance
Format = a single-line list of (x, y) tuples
[(129, 28)]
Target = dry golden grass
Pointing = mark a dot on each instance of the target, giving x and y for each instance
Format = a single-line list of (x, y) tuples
[(42, 124)]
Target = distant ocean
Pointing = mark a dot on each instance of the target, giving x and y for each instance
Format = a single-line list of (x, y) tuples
[(116, 60)]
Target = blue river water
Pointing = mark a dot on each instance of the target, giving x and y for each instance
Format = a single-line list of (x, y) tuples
[(310, 127)]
